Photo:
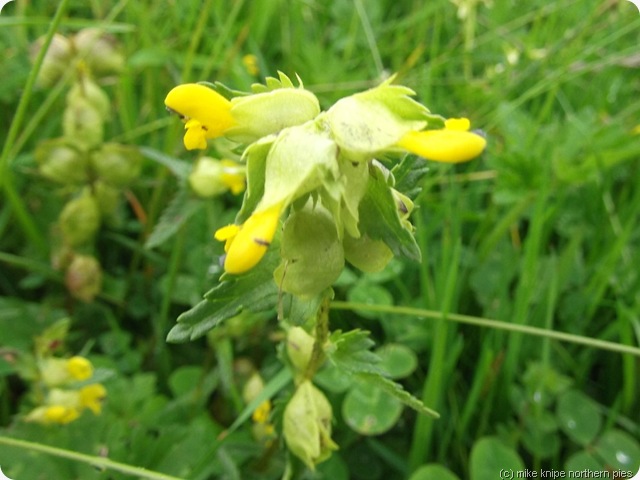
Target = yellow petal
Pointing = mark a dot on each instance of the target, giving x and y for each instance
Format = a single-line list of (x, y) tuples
[(445, 145), (195, 101), (79, 368), (233, 176), (251, 243), (462, 124), (60, 414), (226, 234), (195, 137), (91, 397)]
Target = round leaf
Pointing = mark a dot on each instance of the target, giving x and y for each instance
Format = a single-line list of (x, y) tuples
[(369, 410), (578, 416), (490, 457), (370, 294), (433, 472), (582, 461), (619, 450), (398, 361)]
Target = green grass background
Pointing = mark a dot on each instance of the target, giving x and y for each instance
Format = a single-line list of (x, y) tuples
[(541, 231)]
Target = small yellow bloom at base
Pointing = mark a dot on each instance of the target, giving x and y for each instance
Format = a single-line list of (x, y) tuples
[(453, 144), (60, 414), (79, 368), (251, 241), (233, 176), (261, 414), (91, 397)]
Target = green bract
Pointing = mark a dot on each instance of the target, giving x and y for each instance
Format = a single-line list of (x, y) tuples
[(367, 123), (312, 255)]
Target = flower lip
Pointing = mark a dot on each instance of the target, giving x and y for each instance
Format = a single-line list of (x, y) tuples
[(175, 112)]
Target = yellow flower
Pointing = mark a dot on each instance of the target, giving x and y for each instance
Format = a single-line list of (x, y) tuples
[(79, 368), (246, 244), (453, 144), (206, 113), (211, 177), (91, 397), (261, 414), (250, 62), (60, 414)]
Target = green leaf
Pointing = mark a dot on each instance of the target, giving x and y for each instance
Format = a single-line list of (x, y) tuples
[(398, 391), (369, 294), (578, 416), (490, 458), (409, 174), (398, 360), (297, 311), (181, 208), (179, 168), (618, 450), (379, 218), (253, 291), (433, 472), (370, 410), (256, 158), (351, 352)]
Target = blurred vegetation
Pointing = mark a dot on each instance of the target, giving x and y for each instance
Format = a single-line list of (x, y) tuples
[(541, 232)]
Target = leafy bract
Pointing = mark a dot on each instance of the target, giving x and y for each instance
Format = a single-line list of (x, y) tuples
[(379, 218), (253, 291)]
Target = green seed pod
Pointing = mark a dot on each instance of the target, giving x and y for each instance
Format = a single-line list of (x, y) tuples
[(83, 278), (60, 162), (366, 254), (117, 165), (312, 255), (107, 198), (87, 89), (79, 220), (99, 50), (82, 124), (307, 425), (56, 61), (299, 348)]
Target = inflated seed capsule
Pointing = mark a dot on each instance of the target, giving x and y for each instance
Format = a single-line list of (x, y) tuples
[(312, 254)]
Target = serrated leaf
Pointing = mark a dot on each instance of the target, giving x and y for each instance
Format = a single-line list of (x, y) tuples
[(398, 391), (379, 218), (409, 174), (181, 208), (351, 352), (179, 168), (253, 291)]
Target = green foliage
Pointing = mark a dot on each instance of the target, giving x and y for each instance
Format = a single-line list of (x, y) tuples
[(540, 233)]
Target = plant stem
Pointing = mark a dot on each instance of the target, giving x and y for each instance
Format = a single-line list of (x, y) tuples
[(99, 462), (496, 324)]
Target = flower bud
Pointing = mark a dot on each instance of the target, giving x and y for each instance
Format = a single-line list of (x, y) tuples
[(307, 425), (55, 372), (253, 387), (299, 348), (83, 278), (61, 162), (79, 220), (79, 368), (82, 124), (87, 89), (56, 61), (214, 177), (107, 198), (312, 255), (99, 50), (366, 254), (117, 165)]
